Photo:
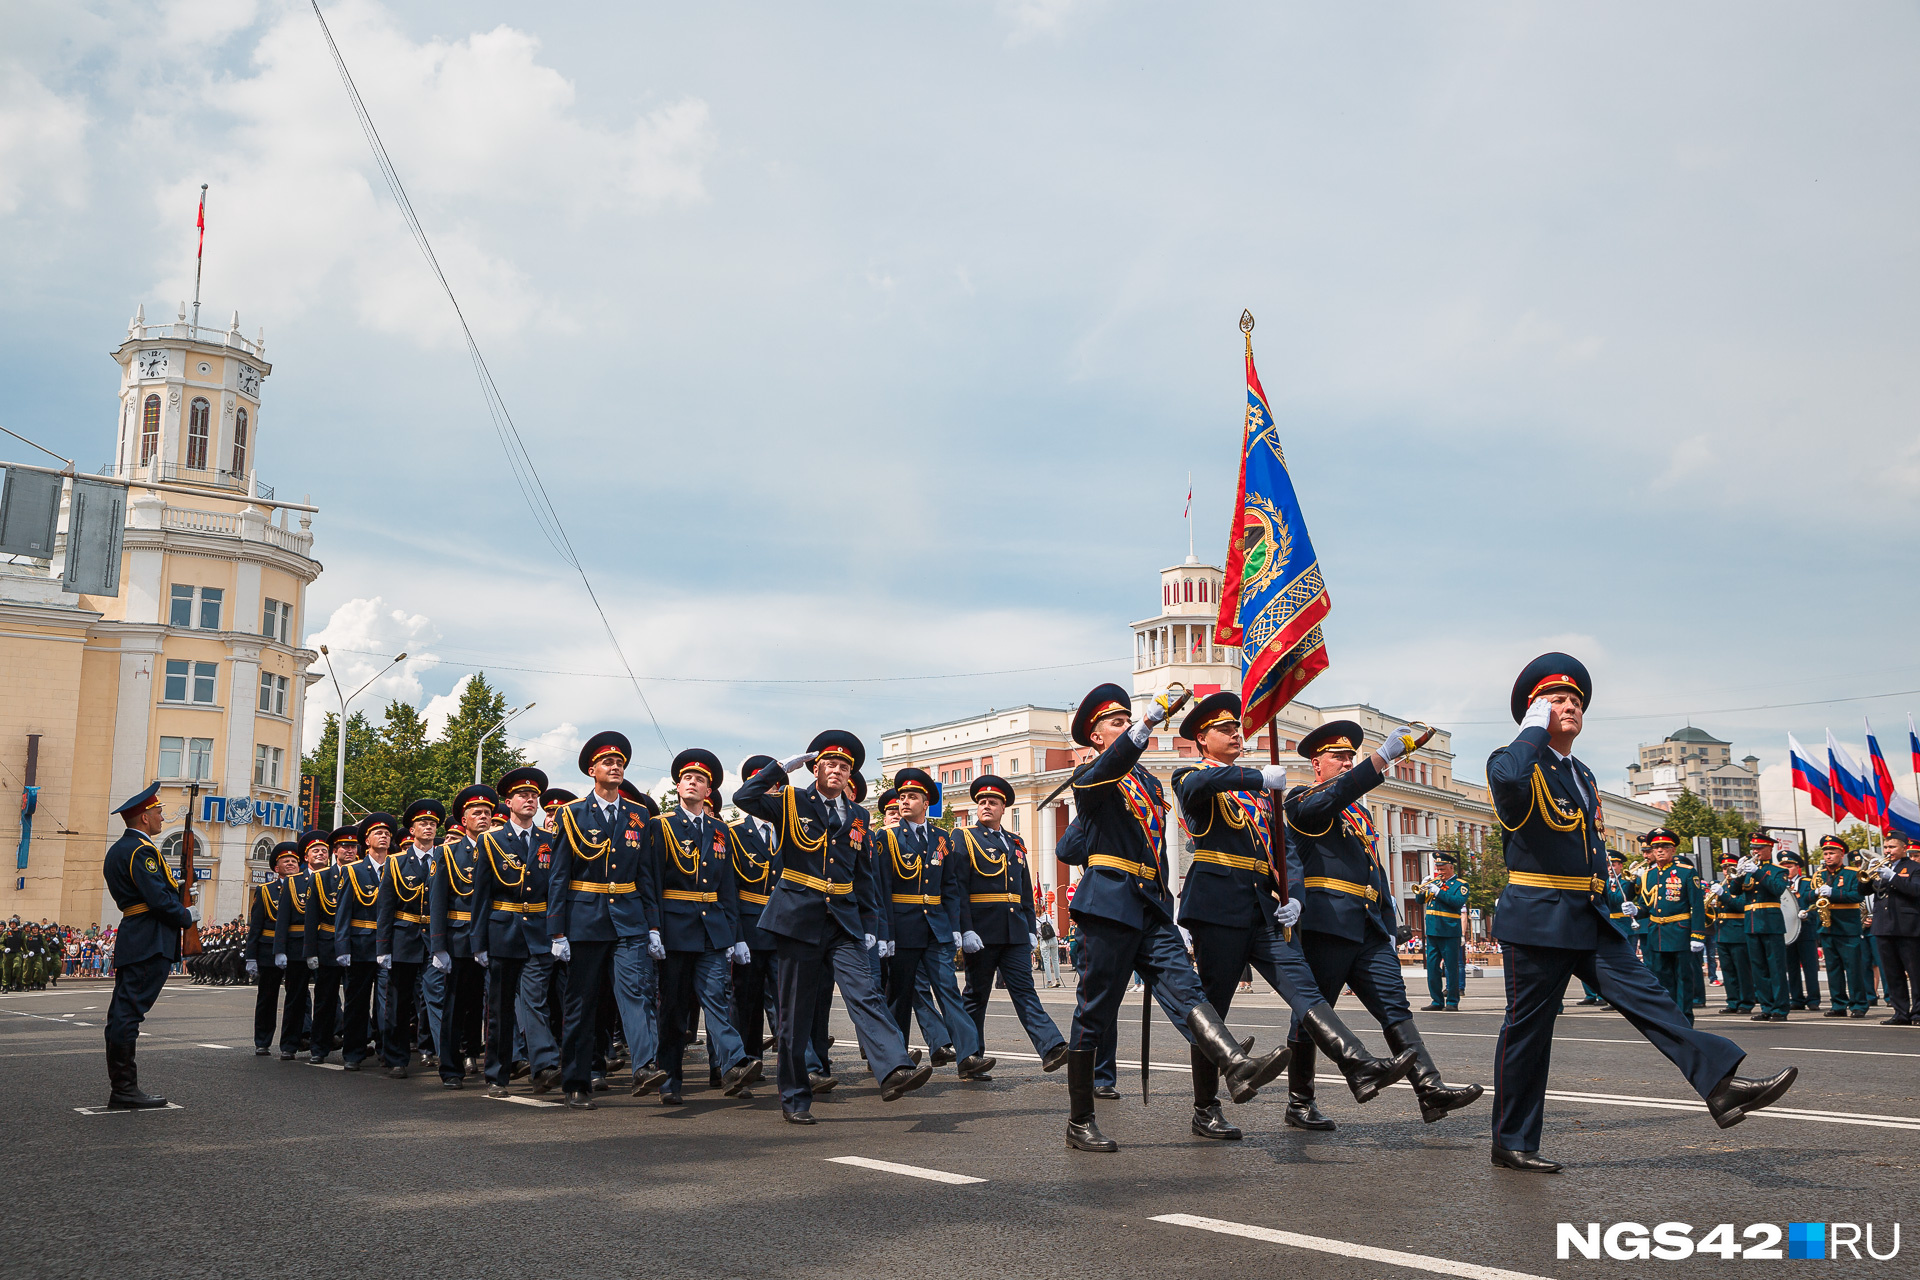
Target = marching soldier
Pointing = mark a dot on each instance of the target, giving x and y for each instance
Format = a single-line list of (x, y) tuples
[(924, 921), (404, 916), (356, 929), (1445, 897), (323, 962), (1803, 953), (992, 913), (290, 947), (510, 874), (1668, 895), (1761, 884), (1896, 927), (601, 918), (699, 927), (459, 948), (889, 802), (1621, 909), (147, 943), (1125, 915), (263, 926), (824, 914), (1347, 924), (1837, 898), (751, 854), (552, 800), (1552, 922)]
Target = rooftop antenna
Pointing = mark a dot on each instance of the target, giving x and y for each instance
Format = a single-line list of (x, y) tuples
[(199, 254)]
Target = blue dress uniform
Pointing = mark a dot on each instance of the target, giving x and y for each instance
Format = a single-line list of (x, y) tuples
[(753, 874), (1446, 903), (992, 902), (600, 904), (1896, 929), (263, 926), (1766, 927), (1840, 932), (1616, 904), (510, 907), (147, 943), (323, 962), (1552, 921), (401, 940), (356, 935), (290, 947), (1803, 954), (822, 914), (458, 941), (1673, 907)]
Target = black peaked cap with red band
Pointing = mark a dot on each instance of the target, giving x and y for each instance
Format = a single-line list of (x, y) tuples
[(610, 741), (839, 742), (1105, 700), (700, 760), (1546, 673)]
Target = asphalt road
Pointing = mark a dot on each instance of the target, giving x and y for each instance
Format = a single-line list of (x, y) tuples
[(272, 1168)]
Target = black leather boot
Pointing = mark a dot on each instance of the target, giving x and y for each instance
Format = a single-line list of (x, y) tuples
[(1301, 1113), (1082, 1133), (1366, 1075), (1244, 1075), (125, 1079), (1437, 1097), (1207, 1120), (1735, 1097)]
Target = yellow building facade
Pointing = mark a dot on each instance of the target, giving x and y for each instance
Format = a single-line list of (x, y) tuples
[(192, 674)]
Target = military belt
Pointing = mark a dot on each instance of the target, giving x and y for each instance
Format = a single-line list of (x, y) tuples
[(296, 928), (1112, 863), (327, 928), (364, 924), (1763, 906), (1012, 899), (1843, 906), (806, 881), (688, 895), (268, 933), (1445, 915), (757, 899), (922, 899), (1671, 919), (134, 910), (1234, 860), (601, 886), (1572, 884), (1366, 891), (522, 908), (401, 915), (459, 917)]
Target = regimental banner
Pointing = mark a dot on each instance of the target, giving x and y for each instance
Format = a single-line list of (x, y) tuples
[(1274, 598)]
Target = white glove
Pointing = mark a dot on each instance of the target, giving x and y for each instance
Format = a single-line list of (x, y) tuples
[(888, 947), (1401, 741), (1539, 715), (1803, 915), (194, 911), (656, 948), (1033, 940), (253, 968), (480, 958), (345, 962), (1885, 876), (1628, 909), (1186, 939), (741, 953), (279, 962), (805, 757), (313, 962), (443, 962), (1289, 912), (1275, 776), (956, 940), (970, 942), (1699, 946), (1155, 714), (561, 951), (871, 941), (385, 962), (1747, 866)]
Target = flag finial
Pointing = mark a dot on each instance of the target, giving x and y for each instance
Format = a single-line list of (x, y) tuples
[(1246, 327)]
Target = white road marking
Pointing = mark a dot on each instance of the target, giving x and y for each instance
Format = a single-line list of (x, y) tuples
[(527, 1102), (910, 1170), (41, 1017), (1864, 1053), (113, 1111), (216, 1046), (328, 1066), (1775, 1112), (1346, 1249)]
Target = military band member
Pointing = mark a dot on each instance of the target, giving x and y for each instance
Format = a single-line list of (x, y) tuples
[(1728, 909), (356, 930), (922, 918), (1761, 884), (603, 920), (1125, 915), (290, 948), (402, 938), (1896, 927), (1668, 897), (1347, 923), (824, 915), (1552, 922), (1803, 953), (1838, 895), (992, 912), (458, 942), (263, 926), (147, 894), (1445, 897)]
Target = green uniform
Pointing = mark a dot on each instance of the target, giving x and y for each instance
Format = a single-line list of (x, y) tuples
[(1672, 908), (1445, 971), (1803, 953), (1766, 937), (1730, 935), (1848, 986)]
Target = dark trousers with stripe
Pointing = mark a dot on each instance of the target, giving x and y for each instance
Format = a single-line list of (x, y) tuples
[(1847, 985), (266, 1003), (751, 983), (326, 1010), (1535, 979), (1111, 953), (503, 996), (1013, 962), (1767, 953), (357, 1018), (1221, 953), (1736, 972), (1669, 969), (403, 981), (1900, 969), (1803, 967), (461, 1029), (808, 973), (135, 987), (293, 1016), (1370, 966), (590, 969)]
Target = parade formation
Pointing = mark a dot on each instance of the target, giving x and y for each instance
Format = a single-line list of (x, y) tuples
[(578, 942)]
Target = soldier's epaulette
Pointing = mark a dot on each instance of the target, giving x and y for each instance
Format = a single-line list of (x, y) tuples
[(1183, 772), (1307, 789)]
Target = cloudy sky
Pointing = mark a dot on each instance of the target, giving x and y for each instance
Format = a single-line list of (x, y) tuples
[(864, 347)]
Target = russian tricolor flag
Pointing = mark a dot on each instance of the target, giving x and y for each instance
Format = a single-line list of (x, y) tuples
[(1808, 778), (1882, 775), (1853, 794)]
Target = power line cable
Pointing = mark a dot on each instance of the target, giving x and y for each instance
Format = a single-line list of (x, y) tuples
[(614, 675), (519, 460)]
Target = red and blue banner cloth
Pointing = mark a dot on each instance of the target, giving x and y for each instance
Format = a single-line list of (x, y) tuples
[(1852, 794), (1274, 599), (1882, 785), (1807, 777)]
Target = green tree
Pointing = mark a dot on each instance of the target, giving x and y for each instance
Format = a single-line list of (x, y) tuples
[(400, 766), (361, 742), (1485, 871), (451, 756)]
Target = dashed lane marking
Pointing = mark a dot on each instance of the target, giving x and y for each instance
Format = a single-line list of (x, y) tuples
[(216, 1046), (1346, 1249), (908, 1170), (327, 1066), (526, 1101), (1863, 1053), (126, 1111)]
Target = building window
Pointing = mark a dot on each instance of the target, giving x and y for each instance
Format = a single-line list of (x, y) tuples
[(1189, 590), (186, 758), (211, 598), (200, 758), (240, 442), (171, 749), (170, 848), (1203, 590), (198, 414), (276, 621), (273, 693), (263, 850), (180, 612), (266, 765), (149, 430), (1016, 819), (1013, 765), (195, 678)]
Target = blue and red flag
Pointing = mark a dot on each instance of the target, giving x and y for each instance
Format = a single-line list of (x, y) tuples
[(1808, 778), (1913, 744), (1849, 782), (1274, 599), (1882, 775)]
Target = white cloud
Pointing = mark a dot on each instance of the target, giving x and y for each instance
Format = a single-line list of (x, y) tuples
[(42, 157), (1032, 19), (362, 636)]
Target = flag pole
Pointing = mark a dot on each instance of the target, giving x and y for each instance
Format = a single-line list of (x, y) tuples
[(1189, 515), (199, 254)]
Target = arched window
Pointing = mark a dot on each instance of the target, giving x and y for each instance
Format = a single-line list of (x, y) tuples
[(1203, 591), (1189, 590), (170, 849), (240, 442), (149, 430), (263, 850), (198, 414)]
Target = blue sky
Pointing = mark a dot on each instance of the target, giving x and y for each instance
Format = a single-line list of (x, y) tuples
[(878, 340)]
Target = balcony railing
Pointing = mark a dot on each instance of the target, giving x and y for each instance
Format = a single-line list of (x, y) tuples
[(222, 524), (174, 473), (140, 331)]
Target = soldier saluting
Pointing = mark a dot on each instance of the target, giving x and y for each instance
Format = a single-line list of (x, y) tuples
[(147, 943)]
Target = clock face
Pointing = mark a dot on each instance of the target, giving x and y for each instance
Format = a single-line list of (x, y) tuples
[(153, 364), (249, 382)]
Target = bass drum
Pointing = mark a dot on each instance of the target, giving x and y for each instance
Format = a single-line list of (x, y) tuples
[(1790, 912)]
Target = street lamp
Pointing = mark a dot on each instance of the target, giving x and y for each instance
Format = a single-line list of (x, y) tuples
[(488, 734), (340, 736)]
